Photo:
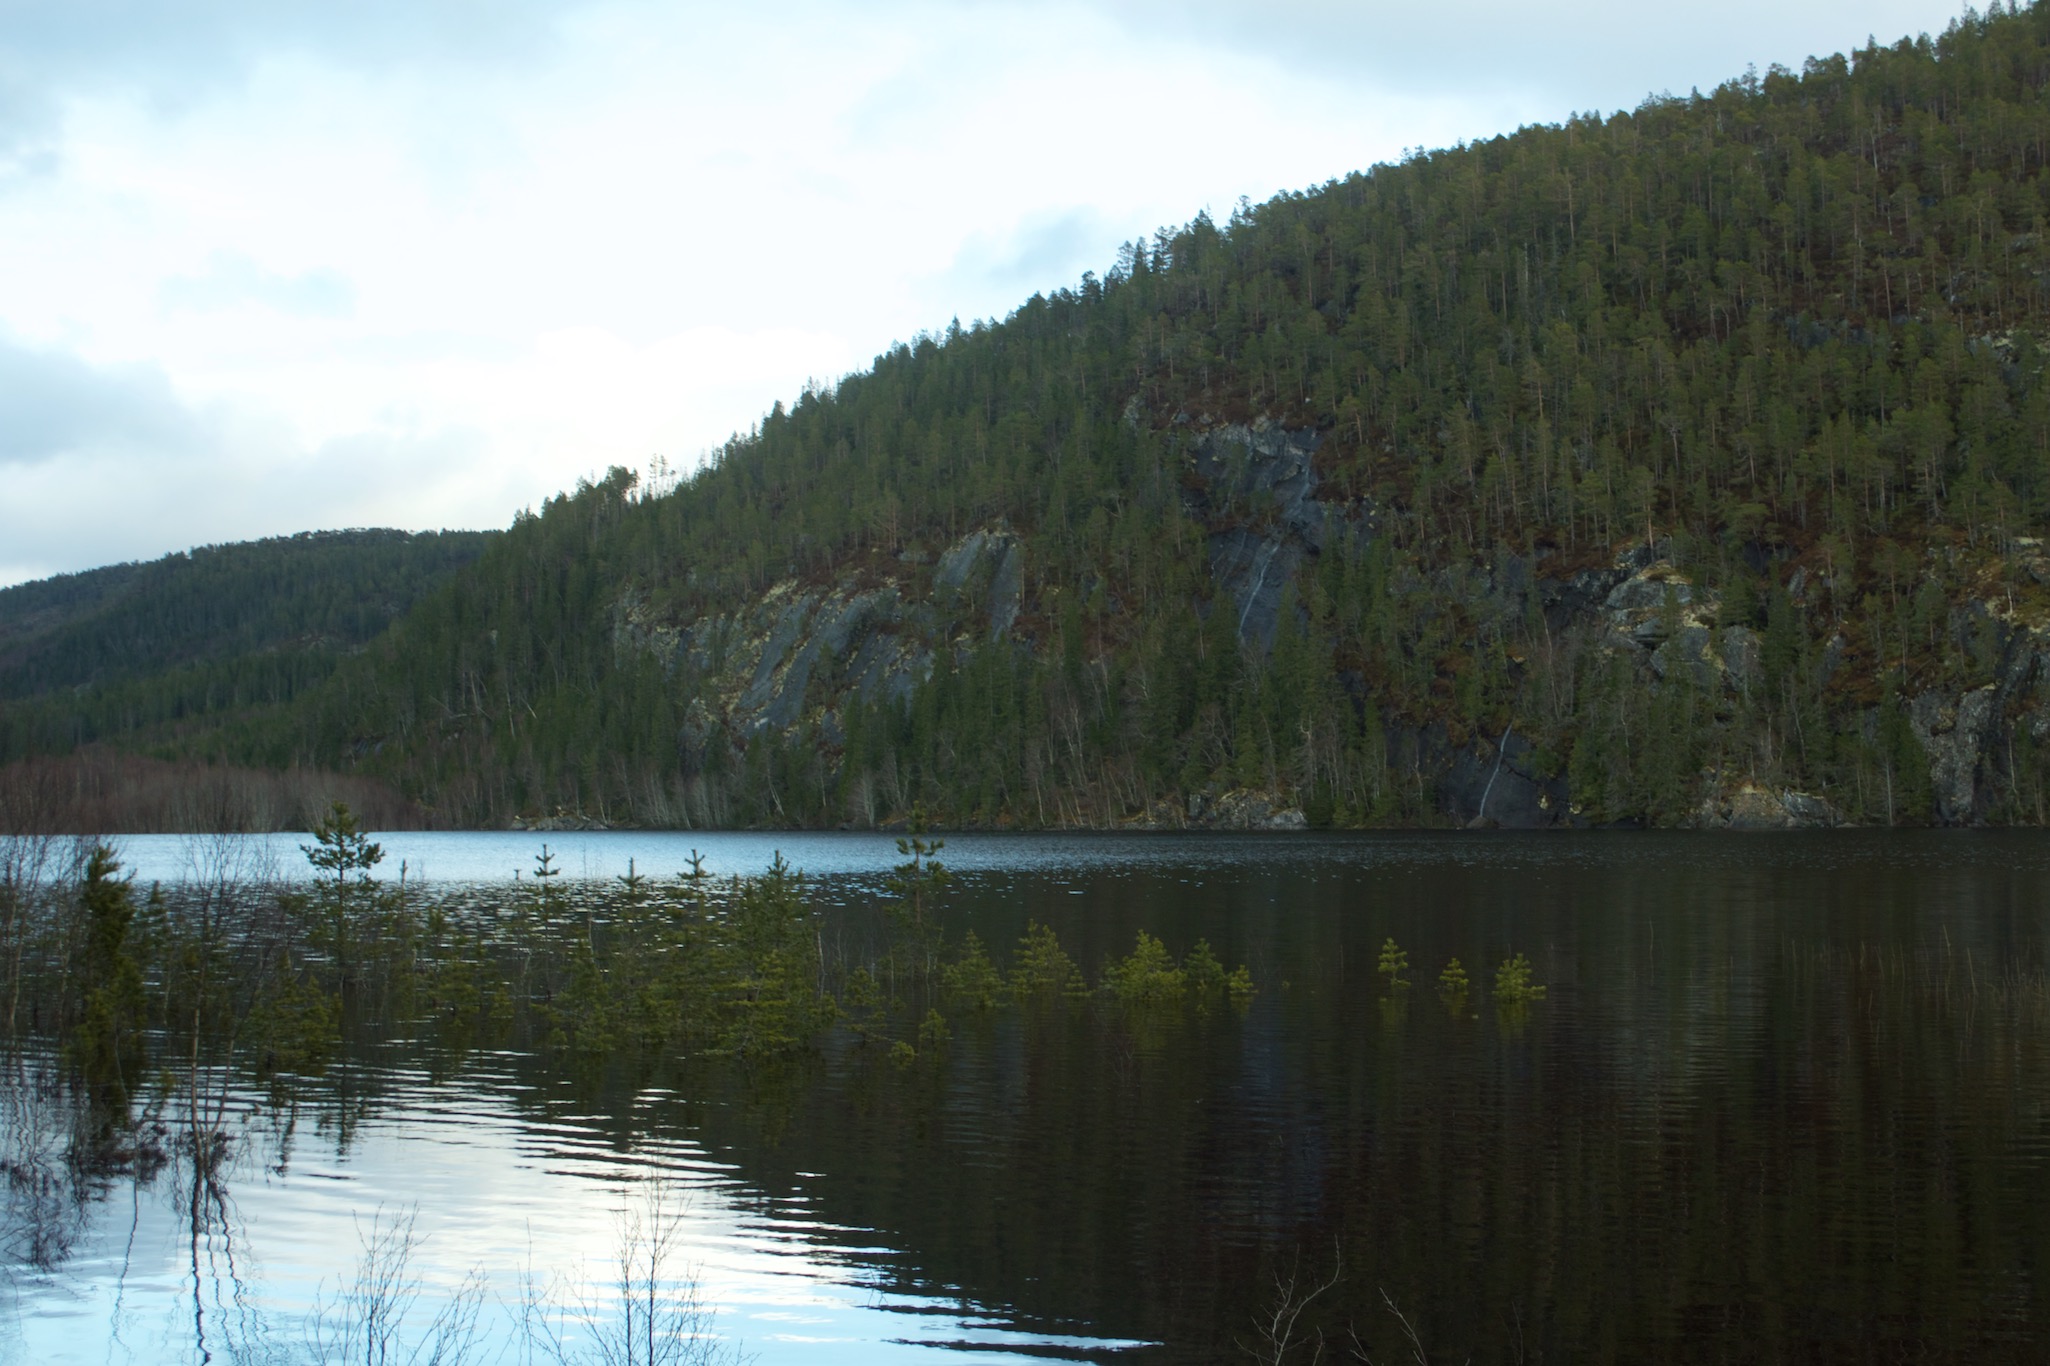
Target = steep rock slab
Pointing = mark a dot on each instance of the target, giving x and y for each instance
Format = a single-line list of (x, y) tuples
[(1255, 485)]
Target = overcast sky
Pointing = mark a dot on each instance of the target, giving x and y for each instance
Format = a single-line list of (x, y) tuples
[(271, 265)]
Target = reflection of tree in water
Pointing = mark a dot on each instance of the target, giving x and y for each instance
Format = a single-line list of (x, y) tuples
[(1504, 1172), (271, 1010), (46, 1209), (644, 1308)]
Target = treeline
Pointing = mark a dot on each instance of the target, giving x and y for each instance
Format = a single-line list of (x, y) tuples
[(1785, 336), (101, 791), (135, 652)]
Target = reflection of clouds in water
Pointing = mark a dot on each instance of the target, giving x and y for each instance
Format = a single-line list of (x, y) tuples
[(488, 1190), (856, 861)]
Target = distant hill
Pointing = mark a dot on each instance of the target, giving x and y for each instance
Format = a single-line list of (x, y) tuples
[(141, 654), (1688, 465)]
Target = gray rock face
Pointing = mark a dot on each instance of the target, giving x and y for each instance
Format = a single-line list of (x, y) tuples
[(1571, 601), (1238, 809), (1648, 591), (1006, 590), (1953, 730), (1967, 733), (1742, 651), (989, 566), (1495, 783), (1656, 602), (1261, 481), (1749, 806), (798, 655), (1687, 653)]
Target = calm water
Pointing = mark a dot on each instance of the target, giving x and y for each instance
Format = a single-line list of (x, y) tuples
[(1788, 1099)]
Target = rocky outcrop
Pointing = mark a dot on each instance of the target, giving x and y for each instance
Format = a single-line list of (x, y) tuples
[(989, 566), (1238, 809), (1968, 732), (798, 654), (1656, 613), (1751, 806), (756, 669), (1496, 784), (1647, 611), (1256, 485), (1954, 731), (562, 822)]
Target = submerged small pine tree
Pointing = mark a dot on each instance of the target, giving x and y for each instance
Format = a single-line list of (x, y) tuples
[(107, 1043), (1453, 984), (1394, 963), (1513, 986)]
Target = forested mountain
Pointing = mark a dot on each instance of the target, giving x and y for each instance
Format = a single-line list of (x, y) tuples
[(154, 650), (1679, 466)]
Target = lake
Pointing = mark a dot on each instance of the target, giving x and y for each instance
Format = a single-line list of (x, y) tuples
[(1786, 1098)]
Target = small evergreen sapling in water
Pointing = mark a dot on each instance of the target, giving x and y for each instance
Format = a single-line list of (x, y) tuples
[(108, 1042), (972, 976), (545, 872), (1042, 967), (1394, 963), (1147, 976), (1239, 986), (1513, 986), (635, 885), (692, 885), (1204, 974), (1453, 984), (917, 883), (344, 854)]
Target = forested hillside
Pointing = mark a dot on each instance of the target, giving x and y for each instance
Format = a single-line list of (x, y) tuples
[(153, 651), (1679, 466)]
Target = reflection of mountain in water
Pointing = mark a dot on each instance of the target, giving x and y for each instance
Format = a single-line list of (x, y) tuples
[(1759, 1108), (1784, 1101)]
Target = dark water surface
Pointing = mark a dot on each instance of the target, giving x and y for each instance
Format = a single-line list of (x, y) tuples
[(1787, 1099)]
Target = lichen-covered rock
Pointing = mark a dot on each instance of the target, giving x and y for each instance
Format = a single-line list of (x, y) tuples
[(1752, 806), (1953, 731), (1650, 606), (1246, 810), (1239, 809), (1741, 652), (798, 655)]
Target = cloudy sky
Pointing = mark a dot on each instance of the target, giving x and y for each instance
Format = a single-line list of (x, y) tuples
[(270, 265)]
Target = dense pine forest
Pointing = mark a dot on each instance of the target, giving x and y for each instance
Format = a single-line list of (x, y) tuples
[(135, 655), (1684, 465)]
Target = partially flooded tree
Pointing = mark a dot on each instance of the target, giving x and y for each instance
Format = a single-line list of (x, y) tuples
[(107, 1042), (917, 883), (344, 855)]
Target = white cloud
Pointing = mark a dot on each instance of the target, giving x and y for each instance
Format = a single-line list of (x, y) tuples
[(53, 405), (231, 280), (276, 264)]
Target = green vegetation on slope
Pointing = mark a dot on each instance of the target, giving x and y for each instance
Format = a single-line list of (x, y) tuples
[(135, 651), (1785, 339)]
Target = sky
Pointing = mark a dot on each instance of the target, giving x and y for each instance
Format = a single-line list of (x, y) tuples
[(280, 265)]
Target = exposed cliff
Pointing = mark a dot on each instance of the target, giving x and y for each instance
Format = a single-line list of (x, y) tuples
[(789, 666)]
